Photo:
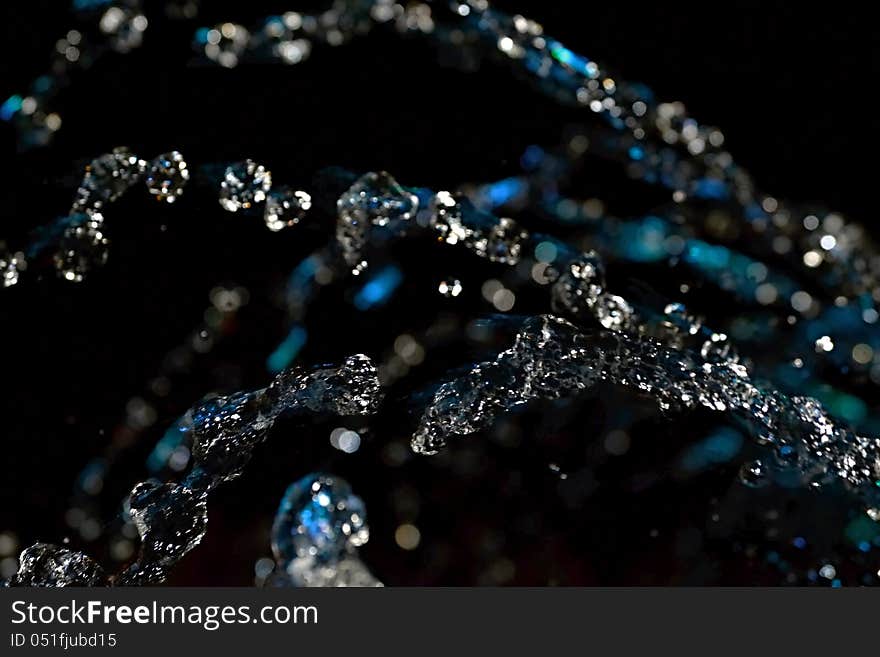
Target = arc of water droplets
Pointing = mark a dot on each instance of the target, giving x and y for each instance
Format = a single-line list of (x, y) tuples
[(659, 142), (659, 139), (107, 26), (551, 358), (78, 239), (171, 518), (376, 199)]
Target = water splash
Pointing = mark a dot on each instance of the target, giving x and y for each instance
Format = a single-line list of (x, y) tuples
[(107, 178), (551, 358), (82, 246), (317, 529), (171, 518), (375, 199), (46, 565)]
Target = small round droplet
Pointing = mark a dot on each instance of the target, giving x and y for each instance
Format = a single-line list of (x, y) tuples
[(754, 474)]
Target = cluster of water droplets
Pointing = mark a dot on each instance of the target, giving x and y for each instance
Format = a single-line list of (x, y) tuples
[(578, 288), (52, 566), (11, 266), (659, 142), (82, 246), (171, 518), (247, 184), (107, 178), (580, 291), (78, 242), (167, 176), (375, 199), (286, 207), (552, 358), (458, 221), (317, 530), (243, 185), (288, 38)]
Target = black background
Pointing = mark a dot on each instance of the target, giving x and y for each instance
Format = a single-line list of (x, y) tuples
[(789, 85)]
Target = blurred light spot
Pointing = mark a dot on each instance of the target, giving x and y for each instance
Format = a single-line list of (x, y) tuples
[(451, 287), (8, 544), (264, 567), (407, 536), (617, 442), (504, 300), (8, 567), (546, 252), (345, 440), (812, 258), (801, 301), (862, 354), (378, 289), (828, 571), (766, 294), (489, 288), (286, 352), (828, 242), (409, 350), (824, 344)]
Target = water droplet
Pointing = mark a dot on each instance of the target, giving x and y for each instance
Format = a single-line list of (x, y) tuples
[(167, 176), (375, 199), (319, 517), (243, 185), (286, 208), (107, 178)]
